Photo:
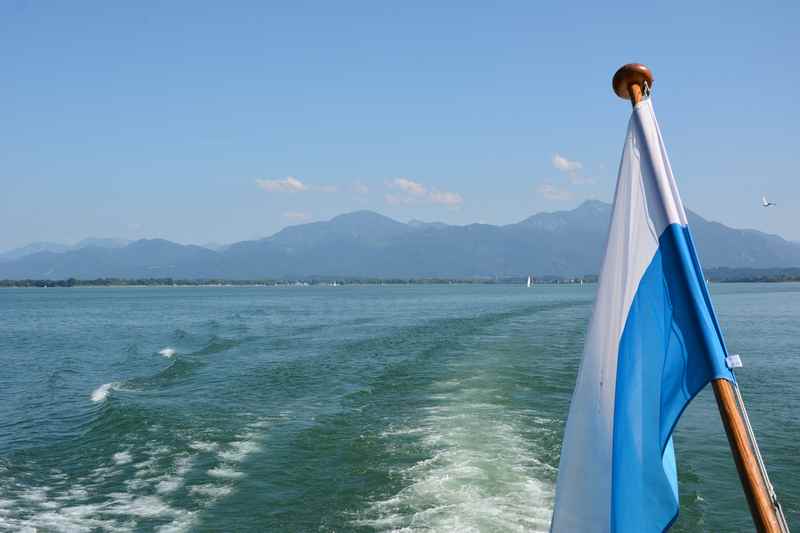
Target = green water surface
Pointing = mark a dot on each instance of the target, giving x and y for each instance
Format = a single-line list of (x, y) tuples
[(355, 408)]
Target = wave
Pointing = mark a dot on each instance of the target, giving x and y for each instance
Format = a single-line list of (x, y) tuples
[(179, 368), (216, 345), (101, 392), (225, 473), (167, 352), (122, 458)]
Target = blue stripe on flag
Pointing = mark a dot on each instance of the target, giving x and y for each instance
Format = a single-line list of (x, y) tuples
[(670, 349)]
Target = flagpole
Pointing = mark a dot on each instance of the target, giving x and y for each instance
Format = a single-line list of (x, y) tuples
[(630, 82)]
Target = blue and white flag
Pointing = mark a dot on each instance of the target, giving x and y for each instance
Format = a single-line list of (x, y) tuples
[(653, 343)]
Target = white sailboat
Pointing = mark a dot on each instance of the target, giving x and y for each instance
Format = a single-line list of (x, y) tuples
[(529, 282)]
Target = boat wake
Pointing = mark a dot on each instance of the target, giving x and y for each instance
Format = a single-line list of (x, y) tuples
[(163, 488), (480, 473)]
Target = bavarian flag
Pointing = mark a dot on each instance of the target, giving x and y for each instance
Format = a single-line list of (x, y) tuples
[(653, 343)]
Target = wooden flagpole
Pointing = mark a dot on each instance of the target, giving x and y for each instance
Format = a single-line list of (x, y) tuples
[(629, 83)]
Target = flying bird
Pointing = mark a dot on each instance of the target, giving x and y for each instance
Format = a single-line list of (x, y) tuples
[(765, 203)]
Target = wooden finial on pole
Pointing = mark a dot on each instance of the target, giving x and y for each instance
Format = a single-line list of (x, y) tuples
[(629, 81)]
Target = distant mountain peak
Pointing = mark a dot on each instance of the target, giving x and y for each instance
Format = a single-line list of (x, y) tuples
[(363, 215), (596, 205), (414, 223), (52, 247), (102, 242)]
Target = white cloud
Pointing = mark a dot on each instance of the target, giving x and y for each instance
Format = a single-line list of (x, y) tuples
[(446, 198), (552, 192), (360, 188), (288, 184), (571, 169), (296, 216), (292, 184), (411, 187), (413, 192), (565, 165)]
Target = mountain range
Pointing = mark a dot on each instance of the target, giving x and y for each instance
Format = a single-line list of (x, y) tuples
[(34, 247), (367, 244)]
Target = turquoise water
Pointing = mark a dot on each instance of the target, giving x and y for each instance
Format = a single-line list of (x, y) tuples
[(375, 408)]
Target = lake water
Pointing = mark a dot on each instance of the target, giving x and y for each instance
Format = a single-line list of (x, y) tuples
[(374, 408)]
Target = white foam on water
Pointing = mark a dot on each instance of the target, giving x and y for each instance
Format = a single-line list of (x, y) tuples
[(183, 464), (146, 467), (101, 472), (120, 512), (122, 458), (136, 484), (203, 446), (158, 450), (37, 495), (481, 473), (169, 485), (124, 503), (212, 491), (239, 450), (101, 392), (147, 488), (144, 497), (401, 431), (73, 519), (78, 493), (167, 352), (225, 473)]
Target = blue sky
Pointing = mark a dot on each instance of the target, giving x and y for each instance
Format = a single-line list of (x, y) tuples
[(215, 122)]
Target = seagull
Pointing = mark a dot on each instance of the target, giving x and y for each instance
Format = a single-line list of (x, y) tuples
[(765, 203)]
